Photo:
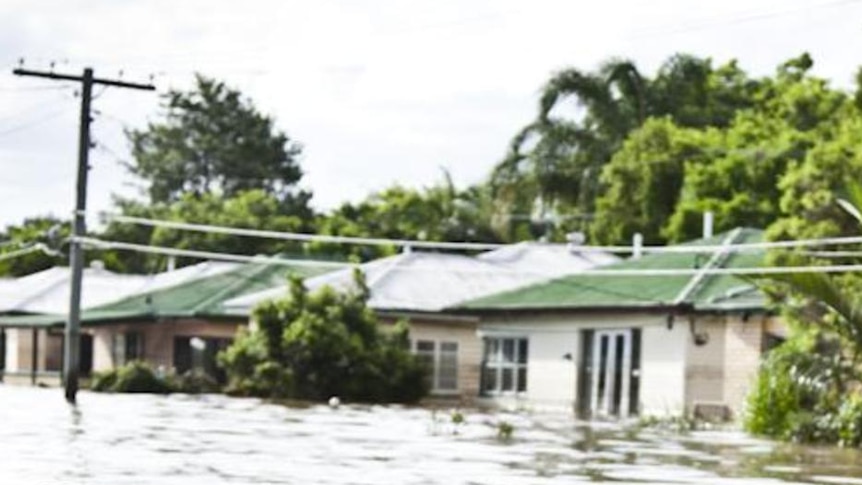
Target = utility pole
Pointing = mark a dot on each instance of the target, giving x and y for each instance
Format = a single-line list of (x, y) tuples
[(72, 340)]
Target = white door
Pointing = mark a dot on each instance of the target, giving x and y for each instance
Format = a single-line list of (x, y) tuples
[(611, 373)]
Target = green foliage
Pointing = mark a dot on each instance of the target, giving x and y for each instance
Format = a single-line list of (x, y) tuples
[(194, 382), (644, 180), (322, 344), (557, 161), (252, 209), (437, 213), (803, 394), (134, 377), (214, 140), (49, 231), (505, 430)]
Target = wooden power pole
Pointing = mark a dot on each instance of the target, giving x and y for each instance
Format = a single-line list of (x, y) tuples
[(72, 340)]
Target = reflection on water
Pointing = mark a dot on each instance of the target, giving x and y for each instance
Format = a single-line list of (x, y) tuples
[(128, 439)]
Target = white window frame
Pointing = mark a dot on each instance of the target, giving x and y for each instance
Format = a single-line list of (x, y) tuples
[(436, 355), (497, 363)]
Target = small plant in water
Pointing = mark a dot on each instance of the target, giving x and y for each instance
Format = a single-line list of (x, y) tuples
[(505, 430), (457, 419)]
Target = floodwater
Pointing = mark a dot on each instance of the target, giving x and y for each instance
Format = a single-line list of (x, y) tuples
[(141, 439)]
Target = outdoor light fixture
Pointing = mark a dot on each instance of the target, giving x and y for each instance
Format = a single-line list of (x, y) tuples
[(700, 338), (670, 319)]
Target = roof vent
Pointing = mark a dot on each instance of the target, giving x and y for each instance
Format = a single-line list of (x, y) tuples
[(97, 264), (637, 245), (707, 224), (576, 238)]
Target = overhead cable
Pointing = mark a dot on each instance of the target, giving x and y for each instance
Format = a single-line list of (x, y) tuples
[(492, 267), (190, 253), (27, 250), (295, 236), (324, 238)]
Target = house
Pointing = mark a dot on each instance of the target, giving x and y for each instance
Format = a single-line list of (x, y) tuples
[(618, 342), (173, 320), (420, 286), (28, 352)]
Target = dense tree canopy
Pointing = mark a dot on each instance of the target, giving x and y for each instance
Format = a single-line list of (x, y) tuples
[(213, 140), (322, 344), (253, 209), (437, 213), (557, 161), (49, 231)]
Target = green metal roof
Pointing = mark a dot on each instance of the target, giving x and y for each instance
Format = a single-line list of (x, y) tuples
[(202, 297), (627, 291)]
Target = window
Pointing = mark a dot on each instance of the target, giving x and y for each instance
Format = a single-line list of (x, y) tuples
[(128, 346), (442, 360), (504, 366), (199, 354)]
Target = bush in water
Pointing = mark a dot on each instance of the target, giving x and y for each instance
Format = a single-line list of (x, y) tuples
[(807, 392), (134, 377), (322, 344)]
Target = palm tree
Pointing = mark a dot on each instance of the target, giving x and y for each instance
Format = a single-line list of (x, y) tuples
[(831, 293)]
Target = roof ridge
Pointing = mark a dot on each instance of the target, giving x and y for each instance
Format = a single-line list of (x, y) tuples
[(19, 305), (717, 257), (387, 269), (219, 295)]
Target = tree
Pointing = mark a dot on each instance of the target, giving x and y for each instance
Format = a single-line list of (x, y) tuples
[(644, 179), (50, 231), (556, 162), (252, 209), (437, 213), (775, 163), (214, 140), (322, 344)]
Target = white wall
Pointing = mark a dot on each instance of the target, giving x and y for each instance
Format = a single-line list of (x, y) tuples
[(663, 352), (551, 377), (552, 380), (12, 336)]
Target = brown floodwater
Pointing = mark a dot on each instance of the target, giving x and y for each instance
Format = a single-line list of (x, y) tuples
[(143, 439)]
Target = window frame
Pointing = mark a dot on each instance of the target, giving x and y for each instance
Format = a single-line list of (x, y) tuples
[(498, 364), (435, 356)]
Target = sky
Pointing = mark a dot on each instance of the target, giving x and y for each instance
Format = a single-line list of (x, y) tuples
[(378, 92)]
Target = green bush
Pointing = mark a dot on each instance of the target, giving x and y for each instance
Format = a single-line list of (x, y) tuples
[(134, 377), (194, 382), (326, 343), (849, 422), (801, 395)]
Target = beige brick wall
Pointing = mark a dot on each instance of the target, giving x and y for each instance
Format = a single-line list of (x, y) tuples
[(723, 370), (469, 348), (743, 346), (705, 364), (158, 339), (19, 350)]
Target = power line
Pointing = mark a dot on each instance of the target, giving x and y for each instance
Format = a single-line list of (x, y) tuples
[(35, 122), (323, 238), (191, 253), (294, 236), (29, 249), (704, 24), (603, 272)]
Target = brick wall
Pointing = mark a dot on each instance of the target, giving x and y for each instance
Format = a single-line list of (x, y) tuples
[(469, 349), (743, 346)]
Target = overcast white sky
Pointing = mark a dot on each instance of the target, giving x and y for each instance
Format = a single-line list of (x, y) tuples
[(378, 92)]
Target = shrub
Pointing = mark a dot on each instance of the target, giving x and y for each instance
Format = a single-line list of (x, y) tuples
[(321, 344), (134, 377), (800, 395), (194, 382)]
